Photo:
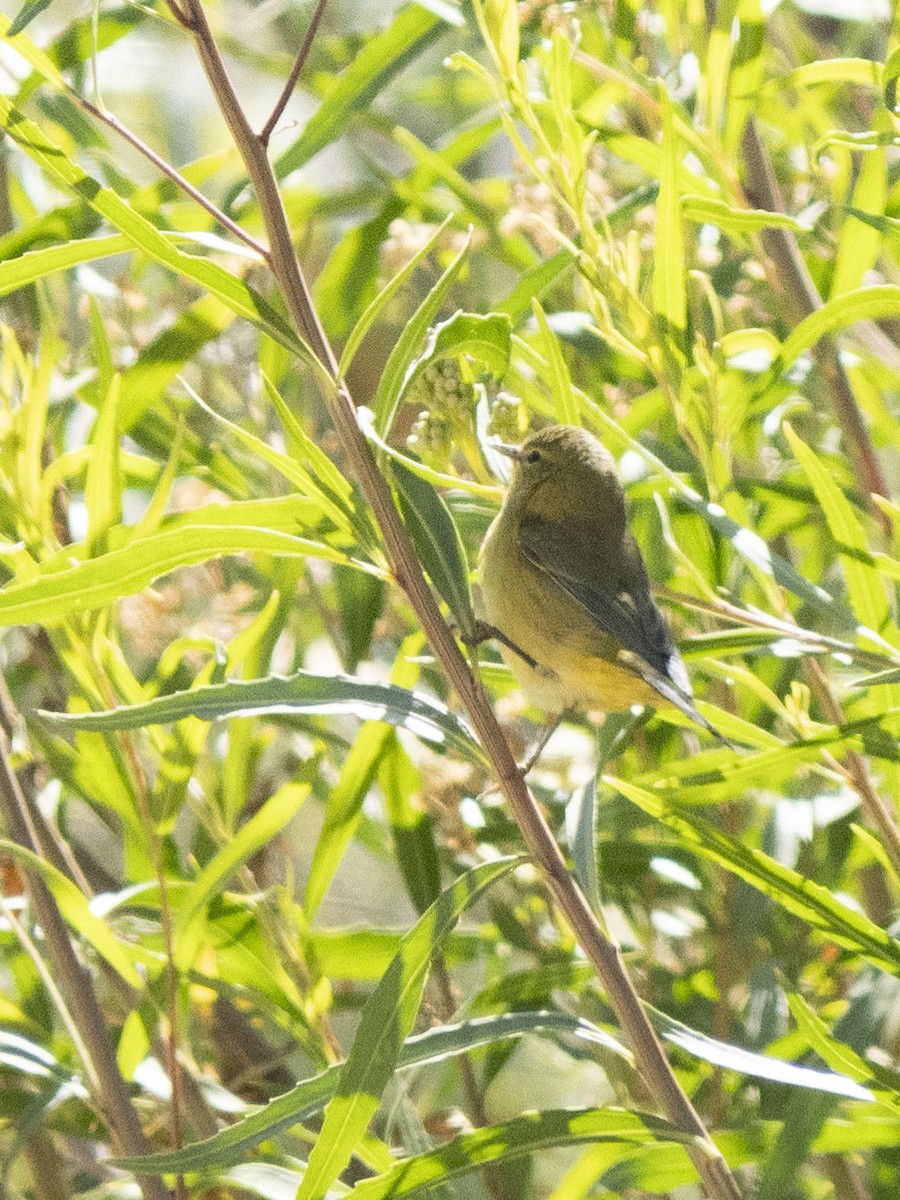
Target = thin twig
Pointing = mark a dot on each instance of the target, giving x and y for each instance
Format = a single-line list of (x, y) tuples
[(169, 171), (299, 63), (718, 1182), (112, 1096)]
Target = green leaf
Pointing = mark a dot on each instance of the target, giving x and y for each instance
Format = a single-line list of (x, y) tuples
[(51, 596), (382, 58), (862, 304), (394, 378), (527, 1134), (412, 828), (804, 898), (837, 1082), (833, 70), (347, 284), (438, 543), (559, 380), (705, 210), (669, 297), (859, 242), (303, 692), (387, 1020), (255, 833), (33, 265), (339, 515), (864, 584), (26, 15), (76, 911), (837, 1055), (343, 810), (486, 338), (142, 235), (581, 818), (750, 545), (103, 485), (384, 297), (311, 1096)]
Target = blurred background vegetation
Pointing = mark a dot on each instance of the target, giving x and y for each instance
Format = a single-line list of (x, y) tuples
[(675, 223)]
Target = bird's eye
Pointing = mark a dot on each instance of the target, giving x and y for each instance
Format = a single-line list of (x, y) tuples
[(534, 456)]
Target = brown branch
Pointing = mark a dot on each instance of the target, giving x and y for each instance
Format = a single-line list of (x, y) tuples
[(717, 1179), (801, 298), (112, 1094), (299, 63), (169, 171)]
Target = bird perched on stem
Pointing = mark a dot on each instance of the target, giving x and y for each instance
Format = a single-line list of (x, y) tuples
[(565, 589)]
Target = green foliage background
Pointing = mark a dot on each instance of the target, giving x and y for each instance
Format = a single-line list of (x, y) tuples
[(283, 850)]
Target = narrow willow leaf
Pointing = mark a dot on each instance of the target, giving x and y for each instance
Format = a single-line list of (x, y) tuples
[(255, 833), (391, 386), (836, 1082), (311, 1096), (159, 363), (859, 242), (382, 57), (792, 891), (511, 1140), (438, 543), (412, 828), (533, 282), (559, 380), (484, 337), (142, 235), (329, 478), (371, 314), (103, 485), (343, 810), (98, 582), (751, 547), (705, 210), (581, 821), (864, 584), (439, 479), (862, 304), (76, 911), (288, 467), (33, 265), (832, 70), (26, 15), (669, 296), (300, 693), (387, 1020), (837, 1055)]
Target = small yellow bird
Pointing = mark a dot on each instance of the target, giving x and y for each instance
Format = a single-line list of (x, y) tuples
[(565, 589)]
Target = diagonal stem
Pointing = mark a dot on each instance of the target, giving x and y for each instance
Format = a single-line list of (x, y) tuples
[(718, 1181)]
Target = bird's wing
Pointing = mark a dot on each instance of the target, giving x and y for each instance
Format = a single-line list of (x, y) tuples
[(607, 577), (610, 582)]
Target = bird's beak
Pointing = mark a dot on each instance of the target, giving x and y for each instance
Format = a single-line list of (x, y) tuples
[(512, 452)]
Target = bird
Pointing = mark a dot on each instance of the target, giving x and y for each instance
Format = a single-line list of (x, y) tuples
[(564, 588)]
